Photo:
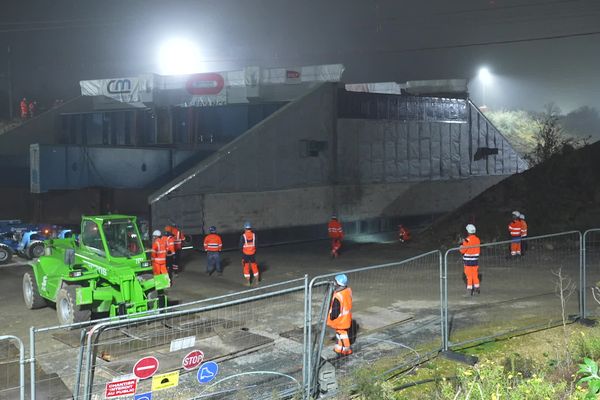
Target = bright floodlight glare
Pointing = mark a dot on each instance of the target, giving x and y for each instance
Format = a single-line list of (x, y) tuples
[(485, 75), (179, 56)]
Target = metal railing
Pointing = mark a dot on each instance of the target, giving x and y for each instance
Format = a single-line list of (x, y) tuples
[(590, 276), (396, 310), (240, 327), (63, 344), (518, 293), (13, 368)]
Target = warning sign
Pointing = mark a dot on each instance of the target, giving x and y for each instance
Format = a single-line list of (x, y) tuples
[(165, 381), (120, 388), (145, 367)]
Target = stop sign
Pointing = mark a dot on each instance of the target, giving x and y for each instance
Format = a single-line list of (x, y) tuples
[(145, 367), (192, 360)]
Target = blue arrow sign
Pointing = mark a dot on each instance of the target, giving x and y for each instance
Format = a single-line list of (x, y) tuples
[(207, 372), (143, 396)]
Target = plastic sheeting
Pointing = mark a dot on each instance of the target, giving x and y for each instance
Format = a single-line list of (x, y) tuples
[(375, 151)]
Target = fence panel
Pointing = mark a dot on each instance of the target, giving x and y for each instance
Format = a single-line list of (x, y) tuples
[(396, 308), (518, 293), (57, 350), (256, 341), (591, 260), (12, 368)]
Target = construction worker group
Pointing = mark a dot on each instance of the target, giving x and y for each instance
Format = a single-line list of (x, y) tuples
[(517, 229)]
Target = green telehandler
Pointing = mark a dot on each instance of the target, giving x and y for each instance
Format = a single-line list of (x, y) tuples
[(103, 270)]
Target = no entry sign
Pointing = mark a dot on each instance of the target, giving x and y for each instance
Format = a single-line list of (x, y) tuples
[(145, 367), (192, 360)]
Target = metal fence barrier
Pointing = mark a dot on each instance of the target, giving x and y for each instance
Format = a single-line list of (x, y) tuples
[(56, 371), (518, 293), (396, 310), (272, 341), (12, 368), (591, 273), (257, 342)]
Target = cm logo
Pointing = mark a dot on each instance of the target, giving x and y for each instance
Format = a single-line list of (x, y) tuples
[(116, 86)]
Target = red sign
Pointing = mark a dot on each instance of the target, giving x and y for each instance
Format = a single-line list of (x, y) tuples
[(145, 367), (120, 388), (192, 360), (292, 74), (205, 84)]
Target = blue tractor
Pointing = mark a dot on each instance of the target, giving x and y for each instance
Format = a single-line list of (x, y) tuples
[(26, 240)]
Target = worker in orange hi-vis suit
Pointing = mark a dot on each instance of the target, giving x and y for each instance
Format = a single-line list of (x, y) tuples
[(170, 241), (24, 108), (336, 234), (523, 233), (403, 234), (514, 229), (470, 249), (159, 253), (340, 315), (178, 239), (248, 246)]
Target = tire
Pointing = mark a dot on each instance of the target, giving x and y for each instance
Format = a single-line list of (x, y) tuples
[(6, 254), (31, 293), (66, 310), (35, 250)]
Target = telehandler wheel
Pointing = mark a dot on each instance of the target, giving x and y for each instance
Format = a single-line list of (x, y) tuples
[(31, 294), (6, 254), (35, 250), (67, 310)]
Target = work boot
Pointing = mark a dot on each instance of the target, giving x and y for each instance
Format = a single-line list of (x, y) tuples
[(472, 291), (477, 290), (247, 282)]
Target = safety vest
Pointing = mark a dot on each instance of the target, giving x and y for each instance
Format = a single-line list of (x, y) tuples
[(249, 247), (471, 254), (212, 242), (334, 229), (170, 240), (177, 236), (159, 251), (523, 228), (344, 320), (514, 228)]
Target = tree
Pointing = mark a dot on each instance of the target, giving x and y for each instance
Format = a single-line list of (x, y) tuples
[(550, 138), (518, 126)]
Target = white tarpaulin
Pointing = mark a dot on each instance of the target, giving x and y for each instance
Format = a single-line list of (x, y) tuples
[(127, 90), (205, 88)]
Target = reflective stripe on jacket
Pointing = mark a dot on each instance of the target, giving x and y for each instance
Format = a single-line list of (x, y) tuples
[(249, 245), (344, 319), (334, 228), (471, 254), (514, 228), (159, 250), (212, 242)]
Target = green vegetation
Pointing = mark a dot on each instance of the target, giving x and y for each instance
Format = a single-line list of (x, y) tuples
[(533, 366)]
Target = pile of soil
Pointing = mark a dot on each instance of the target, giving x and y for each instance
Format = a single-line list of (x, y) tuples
[(559, 195)]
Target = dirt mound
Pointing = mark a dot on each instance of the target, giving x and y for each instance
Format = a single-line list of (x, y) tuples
[(559, 195)]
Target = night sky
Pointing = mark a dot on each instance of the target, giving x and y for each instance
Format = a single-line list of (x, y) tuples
[(57, 43)]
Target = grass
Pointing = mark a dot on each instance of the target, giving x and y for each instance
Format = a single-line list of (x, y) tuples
[(528, 366)]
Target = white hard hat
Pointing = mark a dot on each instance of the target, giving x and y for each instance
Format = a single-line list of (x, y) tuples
[(156, 233), (516, 214), (471, 228), (522, 216)]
